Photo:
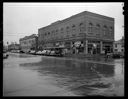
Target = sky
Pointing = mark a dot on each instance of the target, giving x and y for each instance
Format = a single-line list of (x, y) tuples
[(24, 19)]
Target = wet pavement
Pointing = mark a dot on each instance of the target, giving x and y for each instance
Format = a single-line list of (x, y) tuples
[(33, 75)]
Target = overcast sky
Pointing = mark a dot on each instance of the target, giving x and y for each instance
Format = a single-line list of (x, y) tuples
[(23, 19)]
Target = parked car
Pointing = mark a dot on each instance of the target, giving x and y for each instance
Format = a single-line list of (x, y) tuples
[(21, 51), (44, 52), (52, 53), (47, 52), (32, 52), (39, 52)]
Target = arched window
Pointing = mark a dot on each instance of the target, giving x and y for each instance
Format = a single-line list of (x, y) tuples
[(98, 26), (45, 34), (110, 30), (81, 27), (90, 28), (67, 29), (105, 31), (61, 30), (97, 29), (56, 31), (73, 27)]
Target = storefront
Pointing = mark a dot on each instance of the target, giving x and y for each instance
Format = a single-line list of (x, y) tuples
[(78, 47), (93, 47), (108, 46)]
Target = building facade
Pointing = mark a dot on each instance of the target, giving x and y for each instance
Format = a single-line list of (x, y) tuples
[(81, 33), (119, 46), (29, 43), (13, 47)]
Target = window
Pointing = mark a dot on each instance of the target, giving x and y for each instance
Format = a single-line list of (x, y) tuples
[(110, 31), (97, 29), (105, 30), (122, 45), (81, 26), (53, 32), (67, 29), (48, 33), (45, 34), (61, 30), (73, 27), (115, 45), (90, 28), (57, 31), (122, 50)]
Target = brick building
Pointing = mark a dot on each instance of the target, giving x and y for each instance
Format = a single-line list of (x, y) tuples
[(13, 47), (80, 33), (29, 43)]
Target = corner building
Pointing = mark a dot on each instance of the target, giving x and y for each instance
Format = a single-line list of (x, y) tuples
[(80, 33)]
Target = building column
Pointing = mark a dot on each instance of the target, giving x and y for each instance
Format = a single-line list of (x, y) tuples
[(86, 47), (101, 46)]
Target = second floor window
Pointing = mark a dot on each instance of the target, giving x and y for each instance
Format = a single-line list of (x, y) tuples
[(56, 31), (115, 45), (105, 30), (81, 27), (110, 30), (97, 29), (67, 29), (90, 28), (73, 27), (61, 30)]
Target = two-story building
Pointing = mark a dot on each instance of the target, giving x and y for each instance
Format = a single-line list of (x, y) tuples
[(29, 43), (80, 33), (13, 47)]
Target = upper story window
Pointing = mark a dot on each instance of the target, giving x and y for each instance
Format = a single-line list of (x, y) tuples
[(81, 27), (97, 28), (73, 27), (45, 34), (67, 29), (122, 45), (56, 31), (52, 33), (105, 30), (90, 28), (61, 30), (115, 45), (110, 30)]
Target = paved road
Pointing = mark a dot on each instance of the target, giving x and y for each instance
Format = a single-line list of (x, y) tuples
[(29, 75)]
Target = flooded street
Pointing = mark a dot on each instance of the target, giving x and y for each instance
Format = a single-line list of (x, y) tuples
[(31, 75)]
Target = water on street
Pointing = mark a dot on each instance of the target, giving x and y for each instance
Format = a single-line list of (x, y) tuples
[(32, 75)]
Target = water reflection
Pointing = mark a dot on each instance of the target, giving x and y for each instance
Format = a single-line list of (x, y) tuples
[(19, 55), (74, 75)]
